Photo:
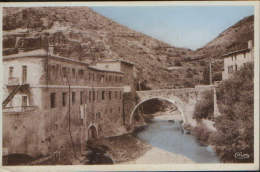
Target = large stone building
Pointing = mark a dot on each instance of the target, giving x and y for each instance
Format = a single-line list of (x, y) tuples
[(48, 98), (233, 61)]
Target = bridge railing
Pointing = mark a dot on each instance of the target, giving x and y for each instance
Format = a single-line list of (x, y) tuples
[(183, 90)]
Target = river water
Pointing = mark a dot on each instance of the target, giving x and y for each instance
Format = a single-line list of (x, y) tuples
[(168, 136)]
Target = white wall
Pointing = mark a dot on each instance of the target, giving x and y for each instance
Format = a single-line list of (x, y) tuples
[(238, 60), (35, 70)]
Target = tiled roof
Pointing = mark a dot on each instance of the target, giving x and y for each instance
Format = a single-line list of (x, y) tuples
[(236, 52)]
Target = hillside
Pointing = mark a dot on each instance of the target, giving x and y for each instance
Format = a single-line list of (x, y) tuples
[(81, 33), (231, 39)]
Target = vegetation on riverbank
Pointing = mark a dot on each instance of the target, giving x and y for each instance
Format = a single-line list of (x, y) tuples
[(204, 109), (236, 124), (234, 138)]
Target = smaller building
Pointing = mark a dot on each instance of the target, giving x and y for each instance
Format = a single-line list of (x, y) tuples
[(120, 65), (233, 61)]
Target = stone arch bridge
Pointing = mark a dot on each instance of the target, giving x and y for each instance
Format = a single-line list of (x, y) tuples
[(184, 99)]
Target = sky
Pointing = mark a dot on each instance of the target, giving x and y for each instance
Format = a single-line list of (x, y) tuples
[(182, 26)]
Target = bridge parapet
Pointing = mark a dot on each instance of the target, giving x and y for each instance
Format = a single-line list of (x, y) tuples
[(181, 90), (185, 99), (187, 95)]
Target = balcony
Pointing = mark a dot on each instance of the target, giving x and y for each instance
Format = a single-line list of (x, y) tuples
[(19, 109), (13, 81)]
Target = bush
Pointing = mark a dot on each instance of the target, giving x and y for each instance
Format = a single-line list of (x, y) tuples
[(177, 63), (205, 107), (235, 129), (201, 134), (217, 76)]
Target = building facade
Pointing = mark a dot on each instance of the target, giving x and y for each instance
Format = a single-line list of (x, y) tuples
[(48, 98), (233, 61)]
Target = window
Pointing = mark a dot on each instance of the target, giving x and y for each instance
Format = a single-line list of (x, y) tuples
[(236, 67), (89, 76), (109, 95), (98, 115), (110, 77), (230, 69), (64, 74), (111, 110), (81, 73), (73, 73), (81, 97), (119, 109), (89, 95), (102, 78), (64, 97), (120, 95), (53, 70), (73, 97), (103, 95), (115, 94), (24, 74), (86, 76), (86, 97), (93, 96), (24, 101), (11, 69), (53, 100)]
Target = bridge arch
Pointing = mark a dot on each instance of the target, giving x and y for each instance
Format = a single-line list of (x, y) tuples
[(174, 100)]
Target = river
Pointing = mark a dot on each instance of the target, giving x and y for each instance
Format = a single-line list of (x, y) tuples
[(165, 136)]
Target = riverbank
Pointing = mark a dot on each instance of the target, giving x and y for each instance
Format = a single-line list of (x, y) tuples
[(124, 148), (159, 156), (128, 149)]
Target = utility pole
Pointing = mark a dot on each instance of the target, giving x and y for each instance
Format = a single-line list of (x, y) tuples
[(210, 71)]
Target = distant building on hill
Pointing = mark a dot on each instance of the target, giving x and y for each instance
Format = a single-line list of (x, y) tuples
[(233, 61)]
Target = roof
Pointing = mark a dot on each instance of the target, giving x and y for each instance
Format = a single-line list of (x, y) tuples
[(236, 52), (116, 60), (103, 70), (43, 53), (40, 53)]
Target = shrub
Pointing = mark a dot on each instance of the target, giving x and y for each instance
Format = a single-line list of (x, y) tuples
[(177, 63), (204, 108), (201, 134)]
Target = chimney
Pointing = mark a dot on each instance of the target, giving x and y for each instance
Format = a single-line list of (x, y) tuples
[(250, 44)]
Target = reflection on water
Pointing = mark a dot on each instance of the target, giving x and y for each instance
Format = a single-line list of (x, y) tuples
[(168, 136)]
